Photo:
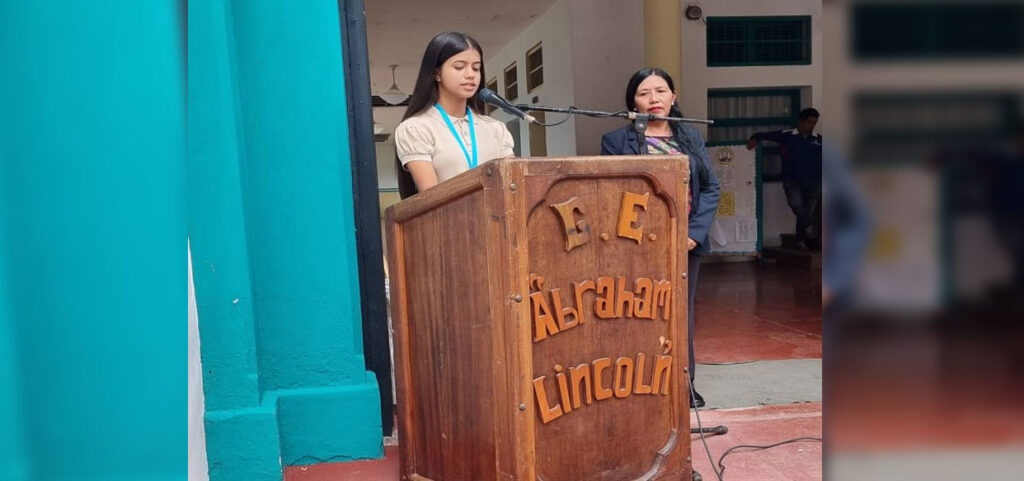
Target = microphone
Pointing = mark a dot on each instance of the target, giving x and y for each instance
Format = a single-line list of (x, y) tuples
[(489, 96)]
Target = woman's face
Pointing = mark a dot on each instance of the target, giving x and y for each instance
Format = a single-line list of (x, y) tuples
[(459, 76), (653, 96)]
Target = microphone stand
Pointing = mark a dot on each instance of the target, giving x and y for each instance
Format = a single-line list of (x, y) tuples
[(602, 114), (639, 120), (640, 125)]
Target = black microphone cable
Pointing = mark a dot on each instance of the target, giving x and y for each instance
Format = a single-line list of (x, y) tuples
[(720, 470)]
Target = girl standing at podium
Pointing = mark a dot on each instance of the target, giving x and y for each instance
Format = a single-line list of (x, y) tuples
[(652, 91), (444, 131)]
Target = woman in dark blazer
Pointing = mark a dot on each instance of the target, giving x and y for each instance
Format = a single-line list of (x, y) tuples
[(651, 90)]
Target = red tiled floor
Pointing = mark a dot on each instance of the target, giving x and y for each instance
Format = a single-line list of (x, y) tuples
[(744, 312), (759, 426), (762, 425), (748, 312), (916, 389), (370, 470)]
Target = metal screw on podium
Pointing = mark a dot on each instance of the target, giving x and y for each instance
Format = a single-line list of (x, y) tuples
[(512, 186), (522, 407), (684, 275), (689, 459), (518, 298), (686, 369)]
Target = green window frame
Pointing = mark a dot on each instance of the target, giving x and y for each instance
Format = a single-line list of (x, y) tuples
[(960, 30), (770, 161), (765, 40), (885, 136)]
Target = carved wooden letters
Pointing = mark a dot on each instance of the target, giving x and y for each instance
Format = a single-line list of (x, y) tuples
[(577, 230), (607, 298), (628, 215)]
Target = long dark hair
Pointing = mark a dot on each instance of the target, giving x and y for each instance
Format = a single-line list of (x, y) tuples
[(674, 111), (442, 47)]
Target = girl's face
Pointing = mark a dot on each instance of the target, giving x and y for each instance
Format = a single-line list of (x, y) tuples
[(459, 76), (653, 96)]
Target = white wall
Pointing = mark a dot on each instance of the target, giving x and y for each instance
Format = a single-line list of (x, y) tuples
[(389, 118), (552, 29), (196, 432), (387, 171), (698, 77), (591, 47), (776, 216), (608, 47)]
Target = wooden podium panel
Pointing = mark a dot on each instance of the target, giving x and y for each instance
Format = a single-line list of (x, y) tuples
[(539, 308)]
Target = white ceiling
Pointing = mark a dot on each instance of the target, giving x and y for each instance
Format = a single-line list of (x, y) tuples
[(398, 31)]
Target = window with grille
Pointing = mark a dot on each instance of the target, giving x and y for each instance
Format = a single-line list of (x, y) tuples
[(493, 85), (898, 127), (534, 68), (511, 82), (738, 114), (933, 31), (736, 41)]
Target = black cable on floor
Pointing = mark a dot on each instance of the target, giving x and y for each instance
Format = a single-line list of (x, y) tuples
[(727, 363), (721, 471), (700, 428)]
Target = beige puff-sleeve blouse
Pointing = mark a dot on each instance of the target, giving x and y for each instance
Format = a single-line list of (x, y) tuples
[(426, 137)]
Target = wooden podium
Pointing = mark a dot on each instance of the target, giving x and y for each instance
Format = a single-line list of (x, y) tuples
[(539, 308)]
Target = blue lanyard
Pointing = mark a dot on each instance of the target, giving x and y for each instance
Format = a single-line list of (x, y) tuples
[(472, 161)]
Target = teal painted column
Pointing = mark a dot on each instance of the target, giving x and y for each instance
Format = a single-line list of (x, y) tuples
[(273, 242), (242, 439), (14, 463), (92, 111)]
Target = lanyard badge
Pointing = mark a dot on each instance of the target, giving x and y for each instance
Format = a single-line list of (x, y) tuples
[(472, 161)]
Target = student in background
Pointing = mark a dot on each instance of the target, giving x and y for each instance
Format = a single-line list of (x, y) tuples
[(801, 169)]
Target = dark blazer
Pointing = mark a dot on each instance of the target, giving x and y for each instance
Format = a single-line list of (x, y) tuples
[(703, 182)]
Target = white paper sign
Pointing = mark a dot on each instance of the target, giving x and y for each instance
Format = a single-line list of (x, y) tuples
[(735, 227)]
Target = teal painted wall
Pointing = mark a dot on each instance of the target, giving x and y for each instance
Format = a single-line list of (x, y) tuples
[(298, 189), (13, 456), (273, 241), (217, 214), (92, 115)]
